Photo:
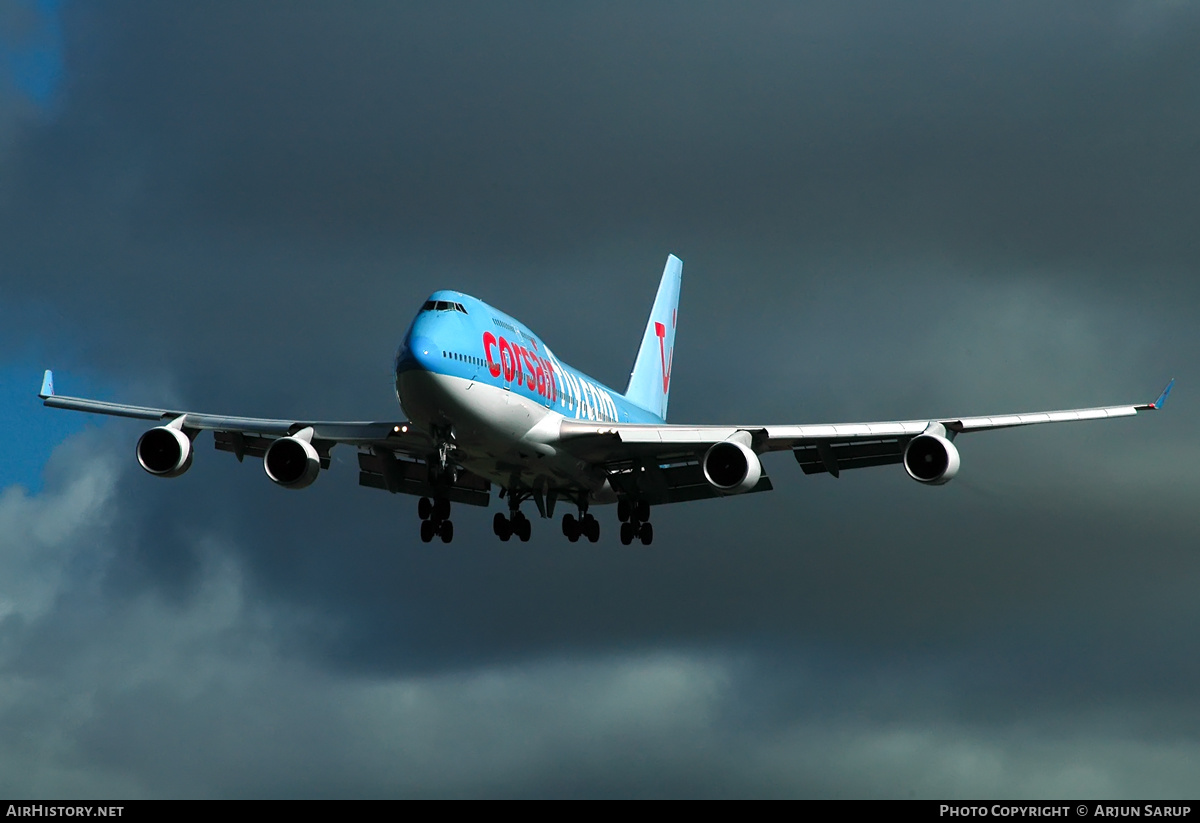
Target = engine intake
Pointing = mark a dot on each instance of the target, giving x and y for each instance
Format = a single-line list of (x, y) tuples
[(931, 459), (165, 452), (292, 462), (731, 466)]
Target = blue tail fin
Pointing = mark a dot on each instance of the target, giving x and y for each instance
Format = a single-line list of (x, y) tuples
[(650, 380)]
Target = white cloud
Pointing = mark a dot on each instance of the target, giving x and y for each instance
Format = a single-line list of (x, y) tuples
[(40, 536)]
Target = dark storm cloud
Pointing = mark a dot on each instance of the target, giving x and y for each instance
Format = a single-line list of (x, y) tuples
[(884, 212)]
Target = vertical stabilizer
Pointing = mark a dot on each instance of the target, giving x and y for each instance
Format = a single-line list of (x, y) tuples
[(650, 380)]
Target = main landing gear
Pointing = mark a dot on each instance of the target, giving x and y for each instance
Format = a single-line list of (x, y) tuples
[(435, 519), (633, 514), (585, 525), (635, 521), (516, 523)]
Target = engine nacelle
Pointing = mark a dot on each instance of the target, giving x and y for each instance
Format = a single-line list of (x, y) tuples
[(731, 467), (931, 459), (165, 452), (292, 463)]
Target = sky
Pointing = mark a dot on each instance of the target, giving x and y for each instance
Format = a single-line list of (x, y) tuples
[(885, 211)]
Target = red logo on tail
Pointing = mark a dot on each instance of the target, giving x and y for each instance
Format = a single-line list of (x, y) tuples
[(663, 357)]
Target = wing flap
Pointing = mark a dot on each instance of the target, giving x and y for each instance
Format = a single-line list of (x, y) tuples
[(674, 482), (849, 455), (381, 468)]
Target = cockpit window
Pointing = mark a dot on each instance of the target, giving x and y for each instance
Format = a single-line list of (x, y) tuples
[(442, 305)]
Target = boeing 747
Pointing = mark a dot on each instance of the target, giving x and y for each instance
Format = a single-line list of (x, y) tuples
[(488, 404)]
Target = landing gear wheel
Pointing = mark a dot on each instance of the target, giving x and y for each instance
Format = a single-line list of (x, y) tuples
[(647, 534), (428, 528), (626, 533), (424, 508), (571, 527), (446, 531), (641, 511), (441, 509), (623, 508), (591, 528), (522, 528), (501, 527)]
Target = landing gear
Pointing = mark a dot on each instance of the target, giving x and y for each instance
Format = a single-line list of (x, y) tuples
[(585, 525), (516, 523), (635, 521), (435, 519), (501, 527)]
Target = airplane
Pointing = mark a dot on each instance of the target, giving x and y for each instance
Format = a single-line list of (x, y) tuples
[(488, 404)]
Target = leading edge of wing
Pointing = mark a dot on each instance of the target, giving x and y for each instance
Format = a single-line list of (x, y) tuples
[(341, 431), (778, 437)]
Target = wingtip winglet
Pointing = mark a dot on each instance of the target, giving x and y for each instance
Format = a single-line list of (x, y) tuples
[(1160, 402), (1162, 398), (47, 385)]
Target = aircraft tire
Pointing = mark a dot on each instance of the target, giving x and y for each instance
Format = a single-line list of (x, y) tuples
[(525, 529), (446, 531), (428, 527), (647, 534), (441, 509), (569, 527), (424, 508), (591, 527), (623, 510), (501, 527), (641, 511), (626, 534)]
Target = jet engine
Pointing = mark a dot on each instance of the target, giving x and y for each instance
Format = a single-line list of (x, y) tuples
[(292, 462), (165, 452), (931, 459), (731, 466)]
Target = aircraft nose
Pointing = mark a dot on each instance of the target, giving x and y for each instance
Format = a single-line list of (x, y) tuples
[(419, 353)]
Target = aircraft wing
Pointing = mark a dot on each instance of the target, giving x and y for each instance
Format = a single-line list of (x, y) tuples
[(353, 432), (663, 463), (392, 454)]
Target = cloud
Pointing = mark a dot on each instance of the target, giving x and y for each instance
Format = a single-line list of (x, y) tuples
[(946, 210), (42, 537)]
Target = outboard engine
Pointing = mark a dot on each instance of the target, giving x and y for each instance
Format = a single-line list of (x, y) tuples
[(292, 462), (165, 451), (930, 458), (731, 466)]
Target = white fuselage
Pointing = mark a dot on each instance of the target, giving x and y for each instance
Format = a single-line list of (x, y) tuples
[(498, 434)]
